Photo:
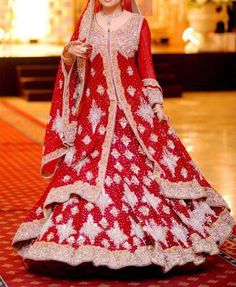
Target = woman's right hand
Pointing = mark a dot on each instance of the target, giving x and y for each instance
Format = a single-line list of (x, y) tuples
[(77, 48)]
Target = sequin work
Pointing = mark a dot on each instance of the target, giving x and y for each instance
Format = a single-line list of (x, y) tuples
[(126, 192)]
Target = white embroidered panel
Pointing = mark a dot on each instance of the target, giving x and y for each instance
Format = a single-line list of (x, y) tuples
[(125, 39), (91, 228), (95, 114), (116, 234), (65, 230)]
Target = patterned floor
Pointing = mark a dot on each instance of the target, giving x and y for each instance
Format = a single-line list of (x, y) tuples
[(21, 185)]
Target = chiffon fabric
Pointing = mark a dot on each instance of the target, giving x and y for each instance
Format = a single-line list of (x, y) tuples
[(123, 191)]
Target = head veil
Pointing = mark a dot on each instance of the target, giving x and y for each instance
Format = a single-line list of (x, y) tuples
[(69, 85)]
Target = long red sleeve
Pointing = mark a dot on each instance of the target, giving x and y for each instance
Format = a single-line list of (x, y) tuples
[(145, 62), (145, 66)]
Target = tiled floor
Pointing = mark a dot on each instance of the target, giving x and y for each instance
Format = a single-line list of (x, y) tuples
[(206, 123)]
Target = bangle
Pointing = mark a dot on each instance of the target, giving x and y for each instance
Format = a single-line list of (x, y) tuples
[(67, 46)]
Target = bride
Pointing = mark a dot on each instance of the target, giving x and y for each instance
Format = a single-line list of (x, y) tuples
[(124, 191)]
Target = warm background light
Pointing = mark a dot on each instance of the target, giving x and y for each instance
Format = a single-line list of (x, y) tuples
[(31, 19)]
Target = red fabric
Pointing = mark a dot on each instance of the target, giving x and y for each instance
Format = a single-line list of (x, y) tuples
[(145, 62), (118, 140), (21, 186), (52, 141)]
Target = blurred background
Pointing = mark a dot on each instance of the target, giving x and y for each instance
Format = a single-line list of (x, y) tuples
[(206, 29)]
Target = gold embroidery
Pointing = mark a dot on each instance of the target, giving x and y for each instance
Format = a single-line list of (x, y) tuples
[(151, 82), (50, 157), (189, 190), (115, 259), (154, 95)]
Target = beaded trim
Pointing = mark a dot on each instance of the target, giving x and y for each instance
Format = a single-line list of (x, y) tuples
[(28, 230), (115, 259), (84, 189), (189, 190), (151, 82), (50, 157), (154, 95)]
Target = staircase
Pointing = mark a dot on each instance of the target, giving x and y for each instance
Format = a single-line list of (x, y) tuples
[(168, 79), (36, 82)]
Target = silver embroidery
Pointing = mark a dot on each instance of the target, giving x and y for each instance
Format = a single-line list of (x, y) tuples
[(80, 164), (123, 122), (65, 230), (103, 222), (184, 172), (128, 154), (153, 137), (101, 129), (129, 196), (74, 210), (125, 140), (144, 210), (180, 232), (136, 229), (130, 71), (131, 90), (91, 228), (39, 210), (145, 111), (118, 166), (66, 178), (151, 199), (135, 168), (104, 201), (70, 155), (115, 153), (87, 92), (100, 89), (169, 160), (141, 128), (86, 139), (89, 206), (114, 211), (80, 129), (116, 178), (94, 154), (108, 181), (117, 235), (92, 72), (58, 124), (158, 232), (95, 114), (170, 144)]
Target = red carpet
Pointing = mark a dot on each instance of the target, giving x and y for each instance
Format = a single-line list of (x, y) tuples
[(20, 187)]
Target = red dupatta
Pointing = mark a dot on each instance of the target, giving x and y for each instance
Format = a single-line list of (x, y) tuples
[(69, 86)]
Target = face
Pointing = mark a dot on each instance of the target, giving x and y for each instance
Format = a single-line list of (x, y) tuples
[(110, 3)]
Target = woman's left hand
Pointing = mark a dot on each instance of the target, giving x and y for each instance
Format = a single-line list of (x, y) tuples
[(159, 110)]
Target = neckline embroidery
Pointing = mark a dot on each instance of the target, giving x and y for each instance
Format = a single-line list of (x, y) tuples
[(127, 22)]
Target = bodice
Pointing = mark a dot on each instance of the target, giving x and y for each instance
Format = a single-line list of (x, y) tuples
[(124, 39)]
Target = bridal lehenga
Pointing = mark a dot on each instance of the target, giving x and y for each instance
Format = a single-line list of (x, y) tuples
[(124, 191)]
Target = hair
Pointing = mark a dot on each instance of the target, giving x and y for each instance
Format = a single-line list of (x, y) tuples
[(126, 6)]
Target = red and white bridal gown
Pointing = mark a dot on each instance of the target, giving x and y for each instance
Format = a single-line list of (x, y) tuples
[(126, 192)]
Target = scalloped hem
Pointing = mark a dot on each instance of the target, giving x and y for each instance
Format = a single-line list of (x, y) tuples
[(116, 259)]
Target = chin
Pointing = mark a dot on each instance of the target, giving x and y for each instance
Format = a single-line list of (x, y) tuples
[(109, 3)]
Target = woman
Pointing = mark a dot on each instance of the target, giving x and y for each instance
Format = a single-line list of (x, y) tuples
[(123, 191)]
